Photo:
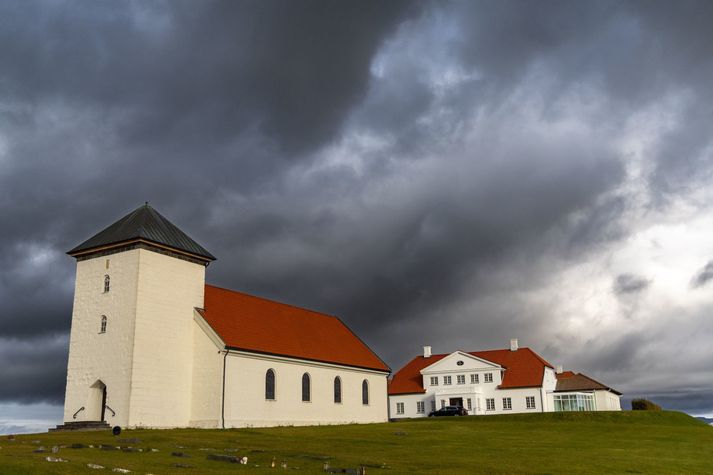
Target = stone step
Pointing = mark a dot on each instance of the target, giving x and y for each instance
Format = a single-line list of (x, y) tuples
[(81, 425)]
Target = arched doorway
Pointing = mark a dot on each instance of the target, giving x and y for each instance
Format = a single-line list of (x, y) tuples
[(96, 404)]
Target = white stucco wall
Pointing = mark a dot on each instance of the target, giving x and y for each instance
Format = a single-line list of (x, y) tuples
[(168, 291), (207, 376), (246, 406), (106, 357), (607, 401)]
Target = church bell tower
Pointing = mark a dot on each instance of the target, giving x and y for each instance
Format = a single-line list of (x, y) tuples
[(131, 345)]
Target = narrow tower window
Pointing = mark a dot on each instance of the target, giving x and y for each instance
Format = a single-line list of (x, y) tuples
[(365, 392), (102, 327), (106, 283), (306, 388), (270, 384), (337, 390)]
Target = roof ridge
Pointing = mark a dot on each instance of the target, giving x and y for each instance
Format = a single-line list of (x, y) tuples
[(274, 301)]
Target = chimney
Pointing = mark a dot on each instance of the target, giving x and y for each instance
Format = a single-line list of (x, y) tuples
[(513, 344), (559, 369), (426, 351)]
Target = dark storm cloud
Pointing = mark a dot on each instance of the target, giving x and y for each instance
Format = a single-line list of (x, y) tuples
[(417, 168), (703, 276), (630, 284), (34, 369), (200, 71)]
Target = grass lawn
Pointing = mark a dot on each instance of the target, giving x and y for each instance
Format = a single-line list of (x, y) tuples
[(571, 443)]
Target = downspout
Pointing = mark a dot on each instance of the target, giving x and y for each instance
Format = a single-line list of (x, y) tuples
[(222, 399)]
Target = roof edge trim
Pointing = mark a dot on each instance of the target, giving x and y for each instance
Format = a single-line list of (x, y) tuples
[(85, 252), (345, 365)]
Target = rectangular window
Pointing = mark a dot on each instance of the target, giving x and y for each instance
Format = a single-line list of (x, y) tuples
[(434, 380), (460, 379), (490, 404), (470, 404), (433, 404), (420, 407), (474, 379), (530, 402), (399, 408), (446, 380), (443, 403), (507, 403), (488, 377)]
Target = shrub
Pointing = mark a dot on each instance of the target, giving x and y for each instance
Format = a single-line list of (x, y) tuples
[(644, 405)]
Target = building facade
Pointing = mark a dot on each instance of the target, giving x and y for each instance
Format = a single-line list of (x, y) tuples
[(506, 381), (152, 345)]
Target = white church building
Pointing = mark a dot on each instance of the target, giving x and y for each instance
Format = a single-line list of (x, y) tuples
[(152, 345), (503, 381)]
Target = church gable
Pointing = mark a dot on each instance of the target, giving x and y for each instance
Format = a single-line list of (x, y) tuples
[(248, 323)]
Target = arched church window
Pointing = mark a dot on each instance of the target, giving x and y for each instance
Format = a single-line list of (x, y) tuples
[(306, 383), (102, 327), (365, 392), (337, 390), (107, 282), (270, 384)]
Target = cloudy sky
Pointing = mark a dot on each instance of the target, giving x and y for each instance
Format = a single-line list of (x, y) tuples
[(444, 173)]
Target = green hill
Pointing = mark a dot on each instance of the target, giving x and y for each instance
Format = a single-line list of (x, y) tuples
[(572, 443)]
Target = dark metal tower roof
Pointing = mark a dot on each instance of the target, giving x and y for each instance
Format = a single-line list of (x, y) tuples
[(144, 224)]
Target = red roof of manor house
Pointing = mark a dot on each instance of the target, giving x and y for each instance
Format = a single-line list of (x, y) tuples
[(523, 368), (246, 322)]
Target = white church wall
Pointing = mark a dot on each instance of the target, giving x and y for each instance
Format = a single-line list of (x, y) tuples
[(246, 406), (95, 356), (207, 376), (168, 291)]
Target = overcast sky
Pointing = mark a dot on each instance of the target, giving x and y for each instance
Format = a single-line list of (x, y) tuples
[(447, 173)]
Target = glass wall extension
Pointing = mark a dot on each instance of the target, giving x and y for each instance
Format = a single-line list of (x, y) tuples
[(574, 402)]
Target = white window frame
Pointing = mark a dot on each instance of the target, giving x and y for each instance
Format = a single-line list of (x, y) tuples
[(447, 381), (474, 379), (488, 378), (470, 404), (399, 408), (530, 402), (490, 404), (460, 379), (434, 380), (420, 407), (507, 404), (433, 404)]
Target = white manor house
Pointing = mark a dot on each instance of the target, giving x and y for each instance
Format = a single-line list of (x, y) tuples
[(152, 345), (511, 380)]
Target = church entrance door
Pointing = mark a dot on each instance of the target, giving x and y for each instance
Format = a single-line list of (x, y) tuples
[(96, 403)]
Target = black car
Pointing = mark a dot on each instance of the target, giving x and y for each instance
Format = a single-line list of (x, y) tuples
[(449, 411)]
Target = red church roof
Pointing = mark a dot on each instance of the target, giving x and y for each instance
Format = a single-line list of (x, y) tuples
[(249, 323), (523, 368)]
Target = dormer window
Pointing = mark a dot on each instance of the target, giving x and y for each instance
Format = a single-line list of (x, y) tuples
[(107, 283), (102, 325)]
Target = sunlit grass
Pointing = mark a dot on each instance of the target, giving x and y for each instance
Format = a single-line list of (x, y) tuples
[(572, 443)]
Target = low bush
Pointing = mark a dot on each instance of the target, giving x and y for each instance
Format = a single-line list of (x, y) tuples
[(644, 405)]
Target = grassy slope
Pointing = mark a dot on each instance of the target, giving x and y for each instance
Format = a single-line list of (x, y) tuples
[(625, 442)]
